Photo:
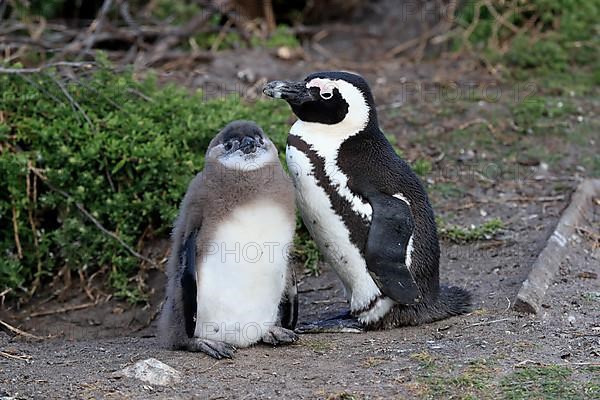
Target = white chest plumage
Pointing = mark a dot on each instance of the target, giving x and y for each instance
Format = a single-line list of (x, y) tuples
[(241, 274), (326, 226)]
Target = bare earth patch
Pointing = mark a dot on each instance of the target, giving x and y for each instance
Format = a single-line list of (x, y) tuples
[(493, 352)]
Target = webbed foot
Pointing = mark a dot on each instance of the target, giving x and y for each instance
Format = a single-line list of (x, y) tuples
[(213, 348), (279, 336)]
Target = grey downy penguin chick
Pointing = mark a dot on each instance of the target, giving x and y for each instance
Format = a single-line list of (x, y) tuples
[(229, 282), (366, 209)]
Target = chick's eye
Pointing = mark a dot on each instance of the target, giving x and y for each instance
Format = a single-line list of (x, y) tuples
[(326, 95), (228, 146)]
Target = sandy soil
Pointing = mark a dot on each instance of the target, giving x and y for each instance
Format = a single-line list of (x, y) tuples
[(472, 355)]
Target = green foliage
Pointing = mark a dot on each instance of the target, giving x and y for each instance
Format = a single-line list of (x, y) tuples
[(548, 382), (457, 234), (479, 380), (470, 383), (422, 167), (542, 36), (282, 36), (528, 113), (128, 166), (43, 8), (178, 11), (545, 54)]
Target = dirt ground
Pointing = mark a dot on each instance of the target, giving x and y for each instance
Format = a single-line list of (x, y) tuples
[(493, 352), (473, 355)]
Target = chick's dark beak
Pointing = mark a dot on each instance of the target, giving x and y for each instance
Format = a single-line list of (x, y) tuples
[(292, 92), (248, 145)]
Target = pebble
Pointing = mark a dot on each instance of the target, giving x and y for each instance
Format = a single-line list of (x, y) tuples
[(150, 371)]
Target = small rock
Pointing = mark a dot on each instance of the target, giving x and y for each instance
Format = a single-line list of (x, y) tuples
[(571, 320), (150, 371), (247, 75), (288, 53)]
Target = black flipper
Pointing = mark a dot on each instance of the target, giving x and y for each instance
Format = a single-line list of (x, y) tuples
[(187, 258), (392, 225), (288, 307)]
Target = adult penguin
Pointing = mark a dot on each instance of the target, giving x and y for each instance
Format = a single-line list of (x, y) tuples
[(363, 205)]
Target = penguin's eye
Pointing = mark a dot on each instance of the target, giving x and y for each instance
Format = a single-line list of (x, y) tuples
[(326, 95)]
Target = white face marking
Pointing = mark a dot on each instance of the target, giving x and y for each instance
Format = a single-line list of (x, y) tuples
[(325, 86), (241, 274), (247, 162), (326, 139), (356, 118), (329, 232)]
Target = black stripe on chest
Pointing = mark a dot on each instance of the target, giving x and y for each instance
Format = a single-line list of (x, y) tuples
[(356, 224)]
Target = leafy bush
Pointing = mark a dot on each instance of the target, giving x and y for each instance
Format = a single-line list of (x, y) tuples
[(122, 149), (457, 234), (540, 35), (545, 54), (529, 113)]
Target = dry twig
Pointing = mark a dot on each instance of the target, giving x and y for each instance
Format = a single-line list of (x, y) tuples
[(16, 331), (41, 68), (63, 310), (20, 357)]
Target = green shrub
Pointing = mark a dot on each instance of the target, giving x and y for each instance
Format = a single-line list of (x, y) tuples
[(123, 149), (545, 54), (422, 167), (548, 34), (457, 234), (527, 112)]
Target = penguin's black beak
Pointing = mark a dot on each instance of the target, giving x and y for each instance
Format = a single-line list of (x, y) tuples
[(248, 145), (293, 92)]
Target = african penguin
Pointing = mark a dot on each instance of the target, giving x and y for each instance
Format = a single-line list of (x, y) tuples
[(229, 282), (363, 205)]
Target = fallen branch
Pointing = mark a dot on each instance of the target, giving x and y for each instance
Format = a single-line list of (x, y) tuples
[(176, 35), (531, 294), (46, 66), (63, 310), (16, 233), (478, 121), (20, 357), (16, 331)]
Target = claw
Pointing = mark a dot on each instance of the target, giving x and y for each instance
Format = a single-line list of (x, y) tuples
[(213, 348), (279, 336)]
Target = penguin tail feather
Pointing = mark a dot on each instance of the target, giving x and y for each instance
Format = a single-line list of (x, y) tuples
[(451, 301)]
